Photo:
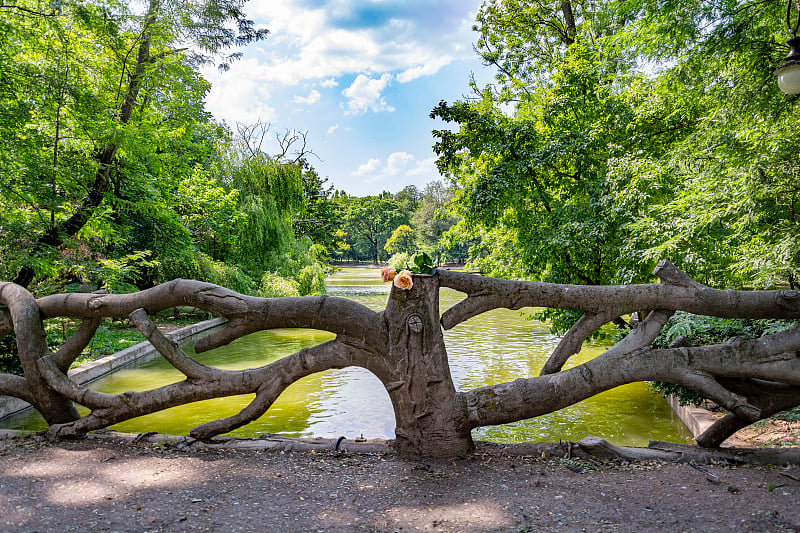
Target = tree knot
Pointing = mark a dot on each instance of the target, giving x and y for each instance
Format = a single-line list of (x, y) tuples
[(415, 324)]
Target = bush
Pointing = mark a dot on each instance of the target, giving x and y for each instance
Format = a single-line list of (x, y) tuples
[(274, 286), (401, 261), (201, 267), (311, 280)]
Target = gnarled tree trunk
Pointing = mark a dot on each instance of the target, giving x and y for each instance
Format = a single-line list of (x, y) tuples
[(429, 415), (404, 347)]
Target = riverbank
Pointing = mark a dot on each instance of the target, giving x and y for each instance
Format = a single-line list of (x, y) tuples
[(109, 485)]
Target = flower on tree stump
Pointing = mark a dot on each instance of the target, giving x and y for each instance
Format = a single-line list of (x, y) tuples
[(403, 280)]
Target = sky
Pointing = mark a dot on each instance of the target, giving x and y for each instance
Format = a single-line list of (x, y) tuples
[(360, 77)]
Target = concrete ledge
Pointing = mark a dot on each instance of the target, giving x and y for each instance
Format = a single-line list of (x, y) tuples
[(696, 420), (89, 372)]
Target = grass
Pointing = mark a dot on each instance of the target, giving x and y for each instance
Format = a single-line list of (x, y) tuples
[(114, 335)]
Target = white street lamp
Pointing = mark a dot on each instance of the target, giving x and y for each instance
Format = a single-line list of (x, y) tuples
[(789, 73)]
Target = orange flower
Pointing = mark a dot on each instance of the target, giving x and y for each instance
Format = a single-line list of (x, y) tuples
[(403, 280), (388, 273)]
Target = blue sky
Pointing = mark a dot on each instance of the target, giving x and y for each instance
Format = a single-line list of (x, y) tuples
[(360, 77)]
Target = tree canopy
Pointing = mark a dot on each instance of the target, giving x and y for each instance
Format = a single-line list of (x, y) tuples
[(616, 134), (112, 171)]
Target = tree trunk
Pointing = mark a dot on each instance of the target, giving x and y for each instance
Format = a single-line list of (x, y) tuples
[(429, 415), (570, 29), (32, 346)]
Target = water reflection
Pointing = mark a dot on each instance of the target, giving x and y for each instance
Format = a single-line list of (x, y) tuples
[(495, 347)]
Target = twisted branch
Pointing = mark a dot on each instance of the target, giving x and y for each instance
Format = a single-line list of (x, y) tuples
[(170, 350), (772, 357)]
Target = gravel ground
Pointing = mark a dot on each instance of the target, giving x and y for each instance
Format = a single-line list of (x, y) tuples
[(108, 485)]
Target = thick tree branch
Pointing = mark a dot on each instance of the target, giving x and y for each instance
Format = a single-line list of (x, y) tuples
[(170, 350), (773, 357), (269, 380), (246, 314), (485, 294), (32, 347), (16, 386), (274, 380), (571, 343), (72, 348), (769, 397)]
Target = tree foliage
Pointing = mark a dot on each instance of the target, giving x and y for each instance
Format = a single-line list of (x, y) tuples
[(619, 133), (402, 240), (369, 222), (111, 170)]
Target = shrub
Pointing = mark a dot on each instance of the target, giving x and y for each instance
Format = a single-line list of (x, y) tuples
[(274, 286), (311, 280), (400, 261), (201, 267)]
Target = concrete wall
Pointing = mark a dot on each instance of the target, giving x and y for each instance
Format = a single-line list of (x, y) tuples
[(696, 419)]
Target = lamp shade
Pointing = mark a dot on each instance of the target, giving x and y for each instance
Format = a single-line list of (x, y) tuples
[(789, 77), (789, 73)]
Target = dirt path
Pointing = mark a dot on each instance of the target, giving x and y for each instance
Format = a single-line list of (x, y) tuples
[(114, 486)]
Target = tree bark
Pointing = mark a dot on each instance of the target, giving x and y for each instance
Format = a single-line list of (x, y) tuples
[(32, 347), (570, 29), (430, 416)]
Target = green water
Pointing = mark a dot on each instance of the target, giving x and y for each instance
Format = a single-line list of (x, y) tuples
[(492, 348)]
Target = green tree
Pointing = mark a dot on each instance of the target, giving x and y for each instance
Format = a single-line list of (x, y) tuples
[(101, 114), (319, 218), (604, 166), (369, 222), (408, 198), (432, 220), (402, 240)]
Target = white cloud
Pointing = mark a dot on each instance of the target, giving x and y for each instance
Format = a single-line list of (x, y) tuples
[(312, 98), (329, 83), (326, 40), (368, 168), (398, 164), (332, 129), (426, 69), (237, 95), (426, 167), (365, 95)]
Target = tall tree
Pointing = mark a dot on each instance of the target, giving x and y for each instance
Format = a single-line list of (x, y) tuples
[(369, 222), (99, 85), (432, 220), (637, 131)]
